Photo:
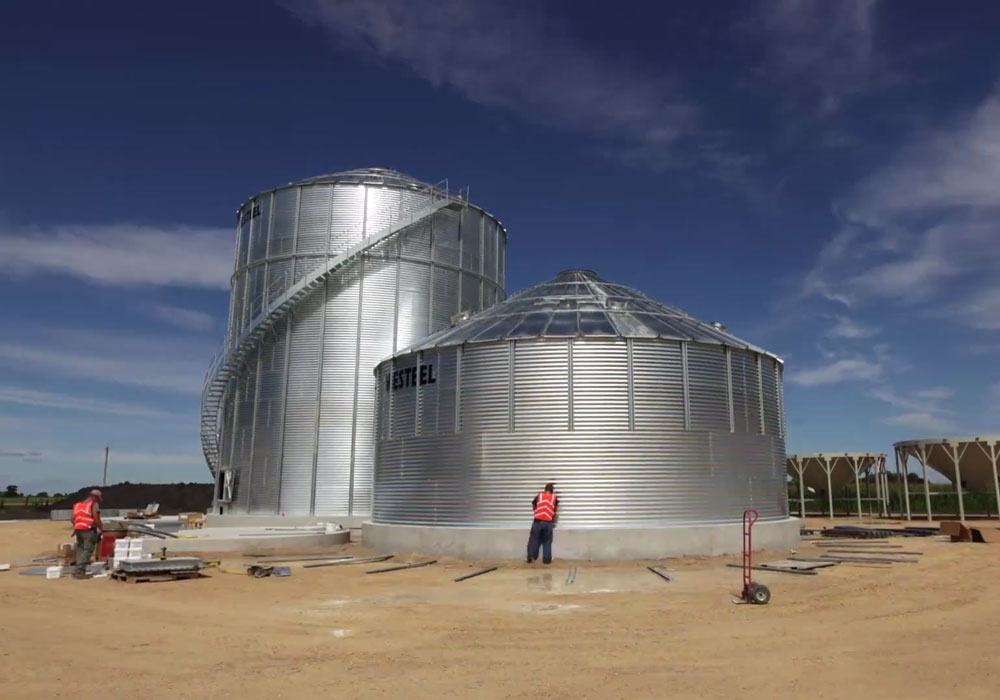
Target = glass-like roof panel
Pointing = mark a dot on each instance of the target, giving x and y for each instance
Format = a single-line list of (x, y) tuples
[(531, 326), (563, 323), (595, 323), (578, 303)]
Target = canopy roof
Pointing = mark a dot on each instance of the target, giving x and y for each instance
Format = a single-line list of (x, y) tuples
[(579, 303)]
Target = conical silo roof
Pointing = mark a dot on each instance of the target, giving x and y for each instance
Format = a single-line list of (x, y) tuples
[(580, 303)]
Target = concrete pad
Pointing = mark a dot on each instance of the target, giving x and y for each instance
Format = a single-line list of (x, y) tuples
[(242, 539), (592, 544)]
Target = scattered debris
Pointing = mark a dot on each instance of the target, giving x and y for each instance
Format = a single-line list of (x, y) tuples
[(356, 560), (283, 560), (959, 532), (571, 575), (859, 550), (660, 572), (475, 573), (414, 565), (789, 566), (868, 533), (4, 567), (265, 571)]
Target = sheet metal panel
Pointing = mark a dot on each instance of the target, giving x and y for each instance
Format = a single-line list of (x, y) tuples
[(541, 385), (485, 403), (746, 392), (427, 393), (445, 297), (604, 479), (471, 235), (300, 406), (266, 470), (707, 384), (769, 377), (286, 204), (336, 424), (600, 384), (314, 220), (260, 210), (445, 237), (413, 316), (347, 217), (657, 385)]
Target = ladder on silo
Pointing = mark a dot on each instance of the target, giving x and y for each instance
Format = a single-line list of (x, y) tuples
[(232, 355)]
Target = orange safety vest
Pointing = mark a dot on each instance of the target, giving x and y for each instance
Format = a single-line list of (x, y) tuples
[(83, 515), (546, 506)]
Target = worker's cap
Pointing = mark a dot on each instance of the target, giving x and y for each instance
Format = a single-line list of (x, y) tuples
[(550, 487), (96, 494)]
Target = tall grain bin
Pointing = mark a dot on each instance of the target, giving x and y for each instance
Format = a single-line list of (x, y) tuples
[(658, 430), (332, 275)]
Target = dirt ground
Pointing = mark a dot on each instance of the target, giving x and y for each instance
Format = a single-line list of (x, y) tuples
[(925, 630)]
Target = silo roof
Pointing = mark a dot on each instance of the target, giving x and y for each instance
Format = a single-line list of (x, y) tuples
[(579, 303)]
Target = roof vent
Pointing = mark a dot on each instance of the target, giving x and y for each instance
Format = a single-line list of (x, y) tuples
[(719, 326), (460, 316)]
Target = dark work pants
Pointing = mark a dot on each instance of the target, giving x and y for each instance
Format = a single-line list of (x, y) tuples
[(86, 542), (541, 534)]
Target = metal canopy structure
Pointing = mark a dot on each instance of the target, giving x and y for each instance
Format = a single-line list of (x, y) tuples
[(969, 462), (579, 303), (829, 471)]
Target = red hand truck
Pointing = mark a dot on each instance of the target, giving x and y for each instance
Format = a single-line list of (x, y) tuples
[(754, 593)]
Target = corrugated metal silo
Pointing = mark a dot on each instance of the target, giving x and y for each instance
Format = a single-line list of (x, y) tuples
[(645, 418), (332, 275)]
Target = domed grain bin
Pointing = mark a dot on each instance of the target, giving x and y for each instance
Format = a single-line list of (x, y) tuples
[(657, 429)]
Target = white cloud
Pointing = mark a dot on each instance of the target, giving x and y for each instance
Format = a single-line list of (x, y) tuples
[(821, 51), (185, 319), (165, 363), (845, 370), (511, 56), (33, 397), (849, 329), (938, 393), (928, 422), (921, 232), (121, 254)]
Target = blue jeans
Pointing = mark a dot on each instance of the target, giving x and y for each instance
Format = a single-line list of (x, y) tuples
[(541, 535)]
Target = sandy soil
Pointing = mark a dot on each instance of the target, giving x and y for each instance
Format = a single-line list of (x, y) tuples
[(926, 630)]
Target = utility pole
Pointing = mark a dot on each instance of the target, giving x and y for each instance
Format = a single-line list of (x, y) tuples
[(105, 482)]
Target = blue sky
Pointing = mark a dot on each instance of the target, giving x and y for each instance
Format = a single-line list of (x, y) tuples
[(822, 177)]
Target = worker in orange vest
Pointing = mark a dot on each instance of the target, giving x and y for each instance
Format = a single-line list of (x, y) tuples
[(545, 505), (87, 527)]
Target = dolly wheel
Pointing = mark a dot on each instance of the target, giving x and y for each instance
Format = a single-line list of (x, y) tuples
[(759, 594)]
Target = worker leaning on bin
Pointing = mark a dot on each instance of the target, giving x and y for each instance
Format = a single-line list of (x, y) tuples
[(87, 527)]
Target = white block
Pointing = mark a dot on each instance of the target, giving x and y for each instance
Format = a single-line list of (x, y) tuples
[(53, 571)]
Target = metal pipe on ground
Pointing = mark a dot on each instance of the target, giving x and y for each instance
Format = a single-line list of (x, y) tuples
[(660, 572), (414, 565), (475, 573), (851, 550), (362, 560)]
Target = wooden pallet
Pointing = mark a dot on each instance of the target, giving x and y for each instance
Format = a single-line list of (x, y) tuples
[(126, 577)]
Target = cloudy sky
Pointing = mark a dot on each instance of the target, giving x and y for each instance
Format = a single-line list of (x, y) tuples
[(822, 177)]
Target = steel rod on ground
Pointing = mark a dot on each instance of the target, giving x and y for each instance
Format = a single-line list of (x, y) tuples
[(851, 550), (571, 575), (414, 565), (660, 572), (363, 560), (284, 560), (475, 573), (758, 567)]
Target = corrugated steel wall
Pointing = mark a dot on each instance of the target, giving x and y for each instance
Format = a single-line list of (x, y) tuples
[(569, 422), (298, 428)]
